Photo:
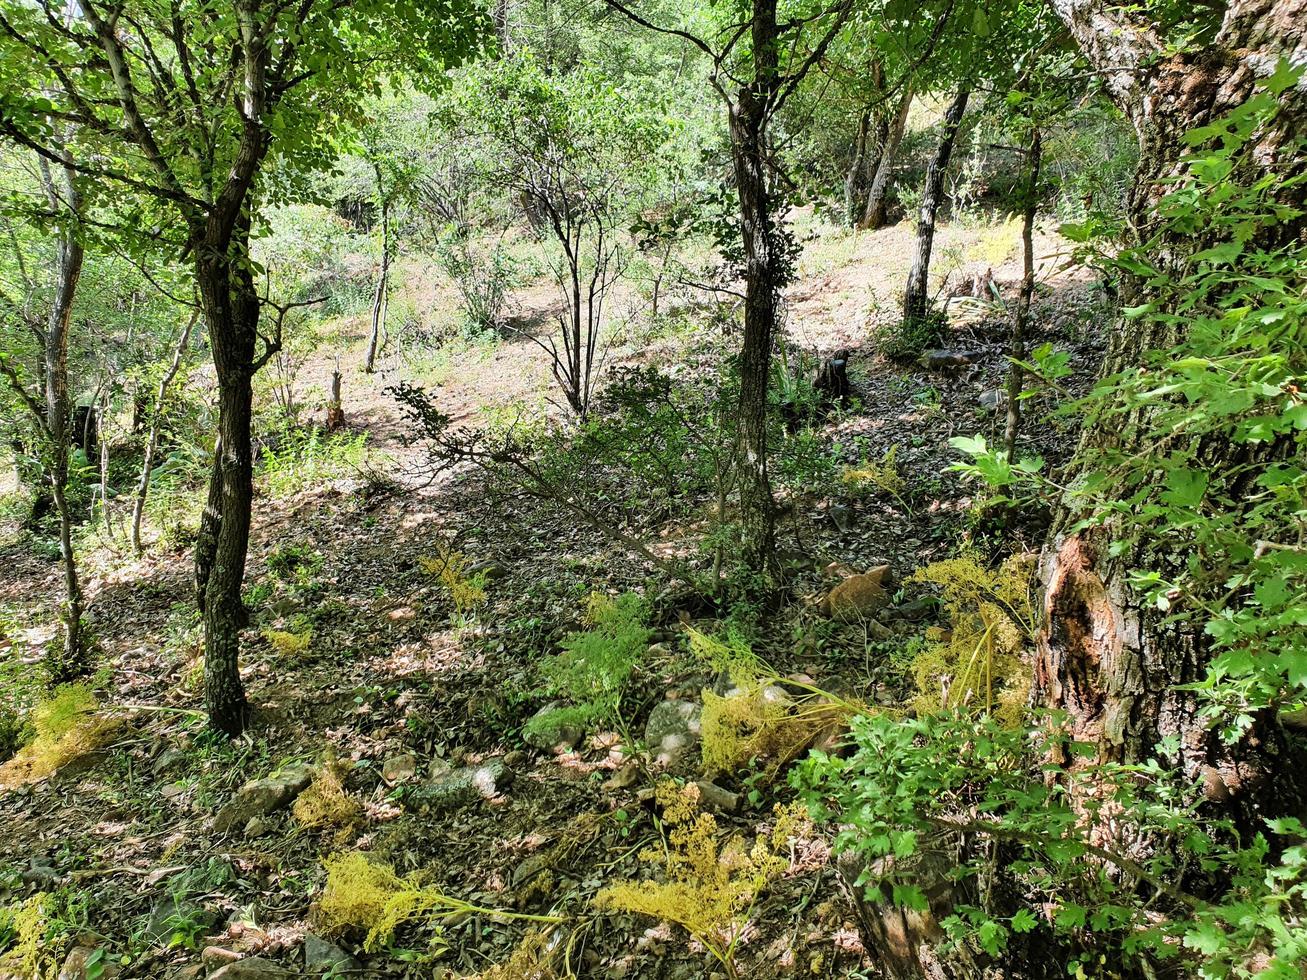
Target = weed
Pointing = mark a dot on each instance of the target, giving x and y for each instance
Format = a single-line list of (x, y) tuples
[(288, 646), (884, 476), (466, 589), (325, 803)]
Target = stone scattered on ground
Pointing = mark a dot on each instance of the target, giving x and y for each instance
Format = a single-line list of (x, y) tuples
[(167, 914), (672, 731), (398, 768), (942, 360), (859, 597), (321, 957), (251, 968), (550, 738), (263, 796), (86, 958), (457, 788), (992, 400), (717, 798)]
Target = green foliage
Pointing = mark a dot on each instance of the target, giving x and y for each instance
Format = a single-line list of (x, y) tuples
[(915, 785), (466, 588), (903, 340), (306, 458), (593, 669)]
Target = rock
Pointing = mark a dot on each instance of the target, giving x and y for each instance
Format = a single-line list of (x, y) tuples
[(859, 596), (992, 400), (717, 798), (82, 958), (187, 971), (624, 778), (321, 957), (257, 827), (263, 796), (658, 651), (550, 738), (215, 958), (461, 787), (842, 515), (166, 759), (914, 611), (536, 864), (837, 569), (942, 360), (673, 731), (399, 768), (491, 571), (40, 873), (251, 968)]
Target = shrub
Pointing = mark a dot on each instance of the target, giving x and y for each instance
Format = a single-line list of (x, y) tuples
[(24, 926), (466, 590), (288, 646), (884, 476), (903, 340)]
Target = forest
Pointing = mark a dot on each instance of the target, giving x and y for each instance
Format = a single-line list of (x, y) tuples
[(538, 489)]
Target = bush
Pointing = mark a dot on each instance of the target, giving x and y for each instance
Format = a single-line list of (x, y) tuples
[(307, 458), (903, 340)]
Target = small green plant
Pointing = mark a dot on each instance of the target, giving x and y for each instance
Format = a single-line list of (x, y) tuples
[(903, 340), (64, 726), (304, 459), (288, 646), (884, 476), (593, 669), (467, 589)]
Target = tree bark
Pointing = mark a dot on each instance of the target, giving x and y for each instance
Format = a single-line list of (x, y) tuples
[(855, 181), (152, 439), (748, 116), (916, 302), (1110, 663), (380, 299), (873, 215), (1017, 353), (230, 304)]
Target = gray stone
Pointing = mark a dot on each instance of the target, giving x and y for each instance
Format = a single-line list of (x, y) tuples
[(942, 360), (263, 796), (251, 968), (717, 798), (81, 957), (462, 787), (992, 400), (321, 957), (551, 738), (166, 759), (673, 731), (41, 873), (399, 767), (914, 611)]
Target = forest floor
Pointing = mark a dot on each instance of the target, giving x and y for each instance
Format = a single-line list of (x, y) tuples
[(402, 690)]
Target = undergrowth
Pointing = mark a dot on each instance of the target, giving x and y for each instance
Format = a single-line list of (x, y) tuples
[(64, 726)]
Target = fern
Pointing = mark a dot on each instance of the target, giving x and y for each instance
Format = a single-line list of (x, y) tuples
[(325, 803), (884, 476), (466, 590)]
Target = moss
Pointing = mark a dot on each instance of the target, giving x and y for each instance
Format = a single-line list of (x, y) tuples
[(325, 803), (65, 726), (288, 646)]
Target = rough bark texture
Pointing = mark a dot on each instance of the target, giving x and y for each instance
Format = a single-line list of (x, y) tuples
[(916, 301), (855, 181), (873, 215), (1110, 664), (748, 119)]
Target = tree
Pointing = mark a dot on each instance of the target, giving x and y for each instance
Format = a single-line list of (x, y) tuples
[(756, 65), (182, 106), (1118, 653)]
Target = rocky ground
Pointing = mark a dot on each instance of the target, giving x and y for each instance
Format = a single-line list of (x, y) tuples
[(167, 853)]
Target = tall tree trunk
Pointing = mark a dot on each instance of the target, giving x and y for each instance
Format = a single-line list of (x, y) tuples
[(761, 299), (380, 299), (1109, 662), (156, 421), (873, 215), (231, 309), (69, 255), (916, 302), (1017, 353)]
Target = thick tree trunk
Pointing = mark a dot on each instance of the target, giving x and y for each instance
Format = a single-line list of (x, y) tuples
[(1110, 663), (152, 439), (231, 310), (1017, 353), (381, 297), (69, 256), (916, 301), (873, 215)]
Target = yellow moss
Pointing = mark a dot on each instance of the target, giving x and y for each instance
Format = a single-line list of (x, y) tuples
[(730, 654), (325, 803), (364, 894), (759, 722), (708, 889), (29, 956), (288, 645), (976, 663), (66, 727), (452, 569)]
